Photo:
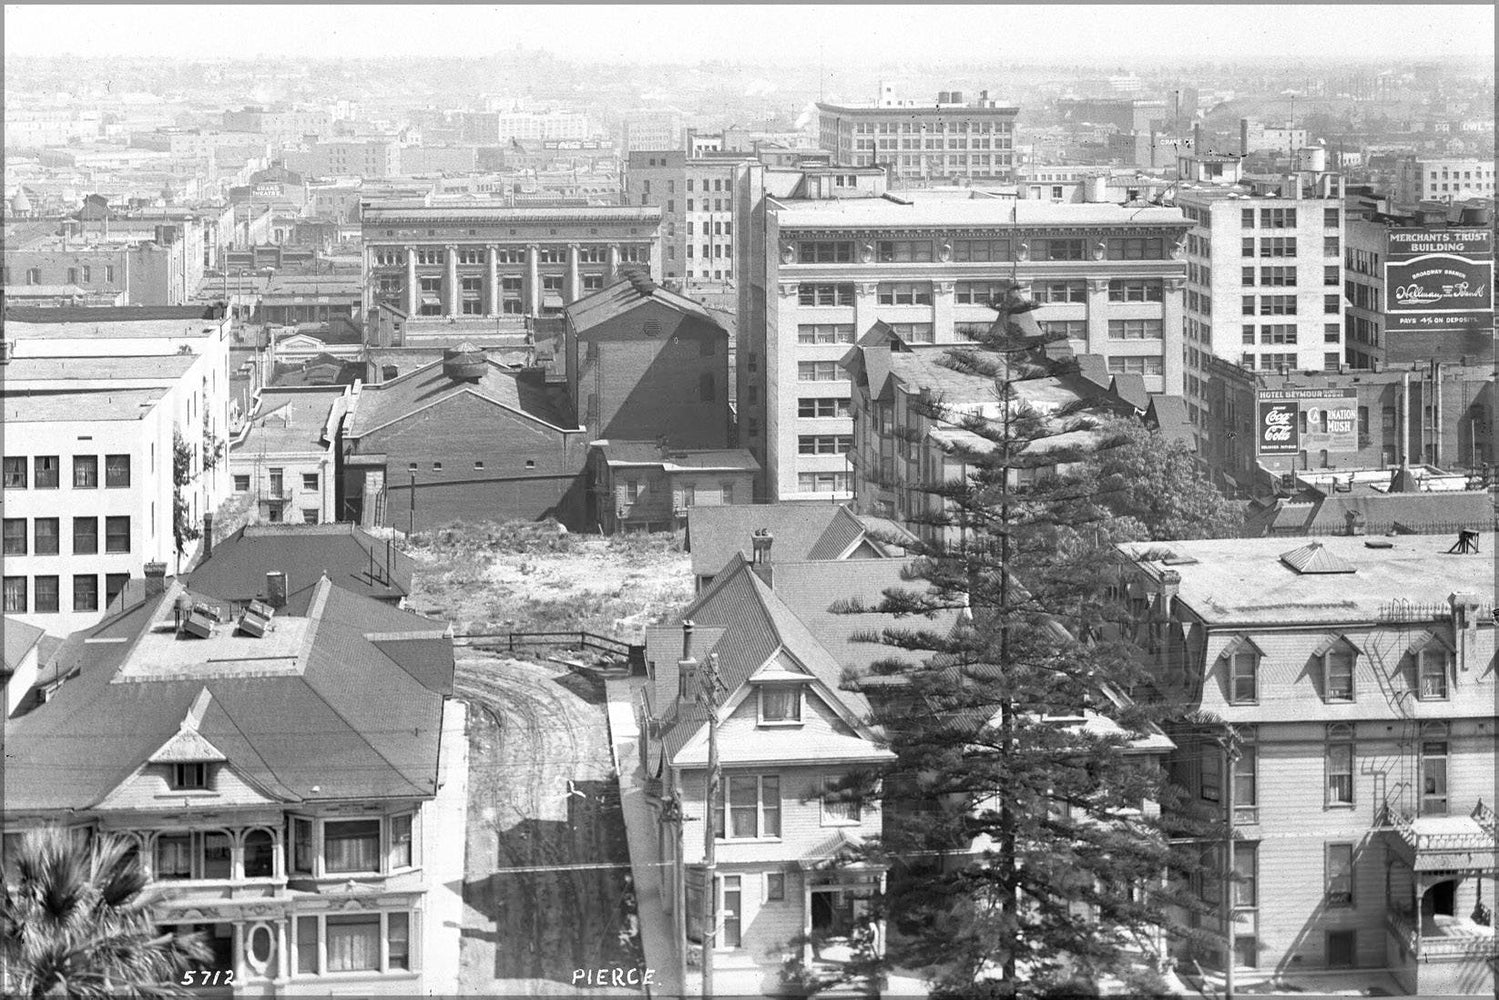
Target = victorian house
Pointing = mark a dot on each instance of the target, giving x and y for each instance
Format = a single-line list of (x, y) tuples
[(278, 767)]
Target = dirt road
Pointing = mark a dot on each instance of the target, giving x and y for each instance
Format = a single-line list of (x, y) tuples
[(542, 797)]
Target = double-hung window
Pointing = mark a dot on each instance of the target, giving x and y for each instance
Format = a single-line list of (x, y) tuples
[(1431, 665), (351, 845), (1243, 677), (1337, 673), (781, 704), (749, 807), (1340, 875), (1340, 764)]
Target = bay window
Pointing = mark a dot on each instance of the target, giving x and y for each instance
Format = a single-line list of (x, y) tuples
[(351, 845)]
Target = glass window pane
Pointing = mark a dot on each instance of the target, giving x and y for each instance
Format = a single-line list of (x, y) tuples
[(354, 943), (398, 939), (307, 944), (351, 845)]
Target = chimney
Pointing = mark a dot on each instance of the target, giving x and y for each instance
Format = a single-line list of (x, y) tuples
[(1357, 523), (760, 543), (1243, 136), (181, 608), (1196, 139), (275, 589), (207, 535), (1466, 610), (687, 680), (156, 579)]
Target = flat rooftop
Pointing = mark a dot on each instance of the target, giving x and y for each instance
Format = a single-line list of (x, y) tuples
[(1243, 580), (166, 329), (164, 368), (80, 406), (160, 654), (998, 212)]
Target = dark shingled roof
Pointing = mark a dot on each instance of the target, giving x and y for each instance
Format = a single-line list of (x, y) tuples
[(1131, 389), (1168, 414), (623, 295), (353, 559), (362, 720), (716, 534)]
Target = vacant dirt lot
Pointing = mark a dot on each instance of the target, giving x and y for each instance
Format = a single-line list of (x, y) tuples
[(542, 799), (502, 578)]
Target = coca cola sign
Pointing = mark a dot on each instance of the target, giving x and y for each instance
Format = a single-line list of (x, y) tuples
[(1278, 431)]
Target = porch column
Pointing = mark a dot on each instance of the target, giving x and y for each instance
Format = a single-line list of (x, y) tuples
[(278, 838), (241, 970), (237, 855), (411, 289), (613, 260), (283, 960), (492, 288), (806, 918), (450, 290)]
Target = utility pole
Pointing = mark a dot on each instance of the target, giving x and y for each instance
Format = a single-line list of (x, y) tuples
[(711, 781), (1231, 755)]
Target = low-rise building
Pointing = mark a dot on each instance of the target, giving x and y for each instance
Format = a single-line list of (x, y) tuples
[(296, 557), (1357, 677), (285, 461), (1429, 178), (922, 142), (286, 777), (464, 438), (803, 533), (648, 486)]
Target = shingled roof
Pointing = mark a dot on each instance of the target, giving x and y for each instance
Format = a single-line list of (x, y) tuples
[(802, 531), (522, 391), (353, 712)]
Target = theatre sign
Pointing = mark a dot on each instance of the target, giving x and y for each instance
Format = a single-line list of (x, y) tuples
[(1439, 279)]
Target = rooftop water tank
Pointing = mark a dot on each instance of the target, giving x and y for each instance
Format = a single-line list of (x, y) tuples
[(464, 363)]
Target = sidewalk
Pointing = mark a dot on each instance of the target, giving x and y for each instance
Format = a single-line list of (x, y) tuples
[(656, 936), (446, 826)]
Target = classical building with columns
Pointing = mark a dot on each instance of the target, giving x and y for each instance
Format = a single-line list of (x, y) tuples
[(473, 261), (285, 771), (1108, 278)]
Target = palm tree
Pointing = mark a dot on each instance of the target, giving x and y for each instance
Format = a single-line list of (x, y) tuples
[(76, 921)]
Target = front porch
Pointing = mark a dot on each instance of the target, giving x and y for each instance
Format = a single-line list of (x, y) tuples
[(1439, 933)]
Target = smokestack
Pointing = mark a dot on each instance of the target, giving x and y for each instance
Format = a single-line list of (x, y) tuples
[(760, 543), (1403, 448), (275, 589), (207, 535), (156, 579), (687, 626), (1243, 136), (1196, 139)]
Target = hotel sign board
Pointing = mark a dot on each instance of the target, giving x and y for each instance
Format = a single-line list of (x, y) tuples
[(1439, 279), (1294, 420)]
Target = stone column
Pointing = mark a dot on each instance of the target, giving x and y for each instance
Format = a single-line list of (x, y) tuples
[(613, 260), (451, 293), (1098, 315), (573, 283), (806, 918), (241, 967), (532, 290), (865, 303), (1171, 332), (412, 293), (492, 281), (942, 312)]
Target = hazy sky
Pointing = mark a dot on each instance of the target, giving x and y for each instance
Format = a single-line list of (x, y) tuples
[(842, 35)]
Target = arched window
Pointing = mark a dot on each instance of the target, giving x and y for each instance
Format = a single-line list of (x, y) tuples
[(260, 854)]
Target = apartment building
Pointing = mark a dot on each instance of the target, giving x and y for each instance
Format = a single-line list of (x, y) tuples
[(365, 157), (1441, 178), (1358, 679), (704, 199), (161, 266), (1445, 327), (1264, 270), (92, 411), (1107, 278), (648, 129), (292, 780), (497, 262), (921, 143)]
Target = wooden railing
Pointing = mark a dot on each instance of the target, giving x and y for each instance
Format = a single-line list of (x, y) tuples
[(579, 639)]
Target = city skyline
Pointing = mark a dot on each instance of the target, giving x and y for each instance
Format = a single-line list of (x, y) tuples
[(1115, 36)]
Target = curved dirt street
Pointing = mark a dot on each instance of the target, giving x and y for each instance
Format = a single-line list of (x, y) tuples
[(533, 729)]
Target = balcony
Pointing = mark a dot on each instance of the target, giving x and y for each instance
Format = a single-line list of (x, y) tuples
[(1441, 955), (1446, 843)]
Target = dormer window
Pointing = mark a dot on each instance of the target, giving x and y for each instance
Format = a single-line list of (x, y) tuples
[(1432, 666), (1243, 677), (781, 705), (190, 776), (1337, 657)]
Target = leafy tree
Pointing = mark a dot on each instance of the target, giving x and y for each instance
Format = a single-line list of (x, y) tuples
[(184, 527), (76, 921), (1022, 862), (1154, 487)]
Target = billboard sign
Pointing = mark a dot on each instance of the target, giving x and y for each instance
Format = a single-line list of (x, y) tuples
[(1439, 279), (1293, 420)]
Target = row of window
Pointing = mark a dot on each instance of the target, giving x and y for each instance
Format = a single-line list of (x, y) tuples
[(1136, 329), (979, 250), (1285, 246), (277, 482), (1144, 365), (591, 254), (45, 593), (1432, 668), (824, 444), (811, 407), (47, 471), (1285, 305), (893, 128), (46, 535), (823, 482), (83, 274), (1285, 218)]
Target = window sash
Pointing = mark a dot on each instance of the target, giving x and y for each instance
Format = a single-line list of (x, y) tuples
[(1338, 672), (351, 846), (116, 471), (1340, 774), (1243, 668), (353, 943), (85, 472), (781, 704), (1339, 874), (1433, 673)]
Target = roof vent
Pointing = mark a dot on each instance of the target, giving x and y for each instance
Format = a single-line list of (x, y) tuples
[(640, 280), (464, 363), (1313, 558)]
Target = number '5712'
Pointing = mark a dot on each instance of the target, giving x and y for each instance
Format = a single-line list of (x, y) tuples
[(204, 978)]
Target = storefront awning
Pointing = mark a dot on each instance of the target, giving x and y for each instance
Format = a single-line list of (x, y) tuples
[(551, 300), (431, 300)]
